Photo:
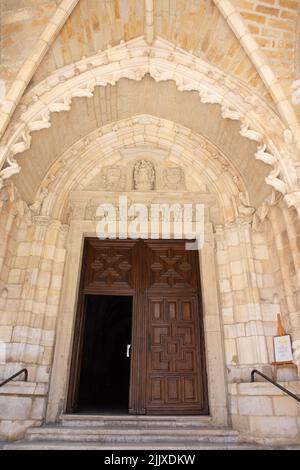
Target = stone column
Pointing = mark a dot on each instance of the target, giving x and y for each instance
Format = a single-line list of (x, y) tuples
[(214, 340), (245, 341)]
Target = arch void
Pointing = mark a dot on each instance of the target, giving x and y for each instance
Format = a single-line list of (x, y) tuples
[(129, 98)]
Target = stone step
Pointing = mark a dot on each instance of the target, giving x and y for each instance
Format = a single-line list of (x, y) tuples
[(131, 434), (134, 420), (154, 446)]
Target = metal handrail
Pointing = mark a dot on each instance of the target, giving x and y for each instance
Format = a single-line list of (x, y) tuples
[(285, 390), (16, 375)]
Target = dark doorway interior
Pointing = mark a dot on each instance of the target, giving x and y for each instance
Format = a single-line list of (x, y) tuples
[(105, 369)]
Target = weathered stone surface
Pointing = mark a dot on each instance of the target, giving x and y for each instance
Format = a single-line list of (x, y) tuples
[(15, 408), (252, 406), (274, 426)]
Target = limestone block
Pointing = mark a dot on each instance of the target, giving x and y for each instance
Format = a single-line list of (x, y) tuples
[(227, 314), (240, 423), (222, 257), (258, 238), (269, 311), (232, 238), (47, 356), (239, 282), (212, 323), (24, 249), (227, 299), (251, 405), (272, 426), (231, 351), (5, 333), (225, 285), (44, 279), (18, 387), (286, 406), (247, 311), (258, 388), (261, 252), (15, 276), (12, 305), (47, 338), (246, 352), (14, 407), (285, 374), (232, 389), (236, 267), (233, 405), (28, 353), (230, 331), (42, 374), (13, 430), (38, 408), (56, 282), (22, 333), (268, 280), (49, 252), (254, 328)]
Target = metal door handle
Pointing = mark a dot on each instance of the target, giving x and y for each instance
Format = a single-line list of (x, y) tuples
[(128, 350)]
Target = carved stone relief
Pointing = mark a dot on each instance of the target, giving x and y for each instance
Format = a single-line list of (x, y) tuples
[(173, 178), (114, 178), (144, 176)]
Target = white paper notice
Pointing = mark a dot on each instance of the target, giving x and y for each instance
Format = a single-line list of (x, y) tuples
[(283, 348)]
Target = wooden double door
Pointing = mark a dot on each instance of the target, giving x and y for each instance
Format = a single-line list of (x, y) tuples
[(167, 357)]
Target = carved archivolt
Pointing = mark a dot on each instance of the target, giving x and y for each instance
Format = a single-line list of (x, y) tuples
[(133, 60), (95, 152)]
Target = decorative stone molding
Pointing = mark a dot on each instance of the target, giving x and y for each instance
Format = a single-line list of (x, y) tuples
[(133, 60), (11, 169), (296, 92), (149, 21), (293, 199), (243, 206), (262, 212), (202, 161), (32, 62), (36, 206)]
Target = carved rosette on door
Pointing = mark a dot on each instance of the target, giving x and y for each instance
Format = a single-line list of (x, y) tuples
[(167, 354)]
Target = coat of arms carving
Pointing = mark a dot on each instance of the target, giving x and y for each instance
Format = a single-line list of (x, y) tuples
[(173, 178), (114, 178)]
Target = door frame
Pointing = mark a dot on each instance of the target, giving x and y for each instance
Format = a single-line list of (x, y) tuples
[(215, 363), (141, 325)]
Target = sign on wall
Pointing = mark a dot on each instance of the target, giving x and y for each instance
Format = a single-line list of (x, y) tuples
[(283, 348)]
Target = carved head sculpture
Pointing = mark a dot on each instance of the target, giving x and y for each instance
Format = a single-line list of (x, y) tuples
[(144, 176)]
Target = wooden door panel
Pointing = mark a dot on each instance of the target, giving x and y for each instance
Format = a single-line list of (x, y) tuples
[(173, 366), (167, 359), (170, 265), (110, 266)]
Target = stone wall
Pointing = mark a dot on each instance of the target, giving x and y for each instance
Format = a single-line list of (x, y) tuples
[(32, 262), (283, 238), (263, 413), (252, 268), (246, 288), (273, 24)]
